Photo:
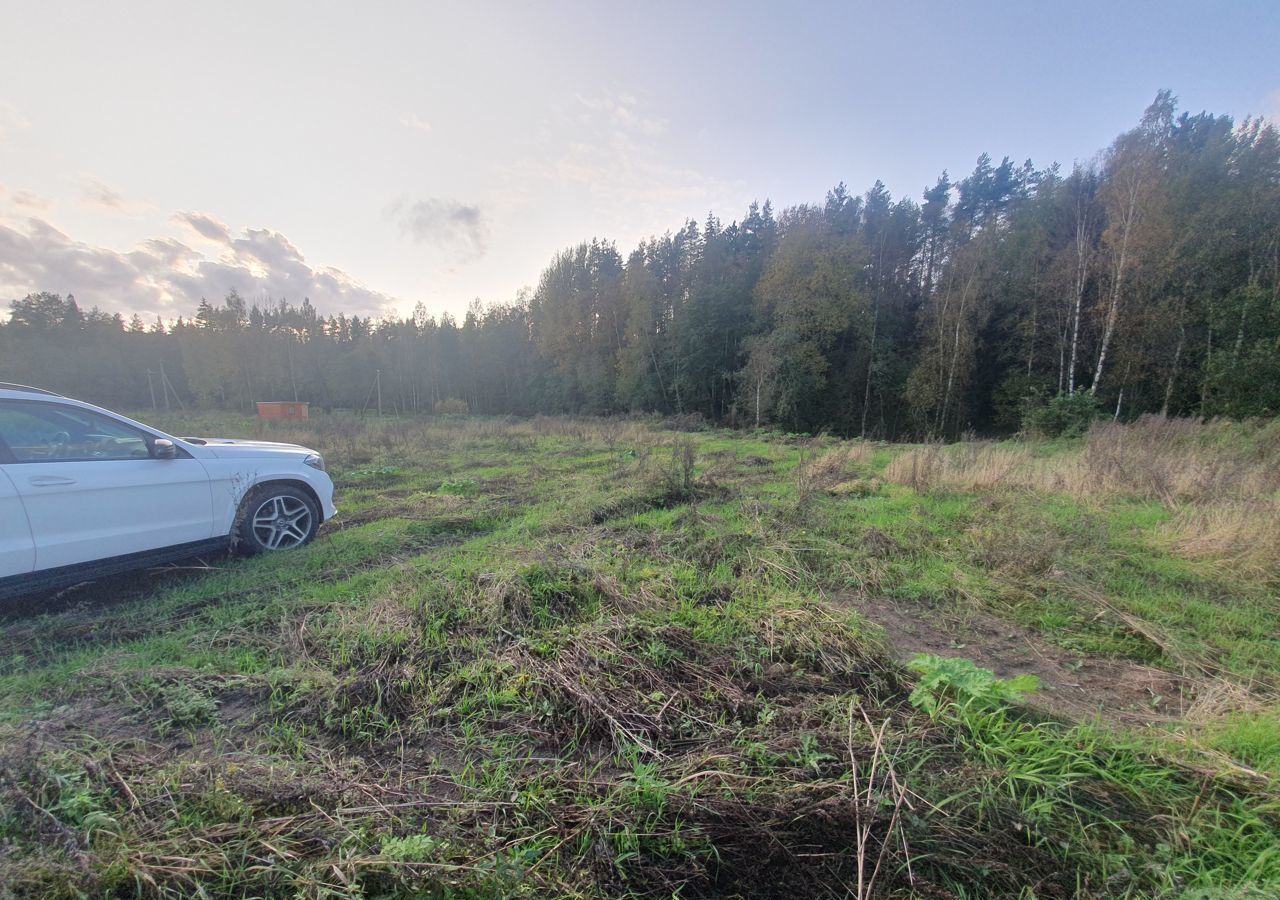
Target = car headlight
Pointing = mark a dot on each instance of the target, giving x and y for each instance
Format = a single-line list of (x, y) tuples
[(315, 461)]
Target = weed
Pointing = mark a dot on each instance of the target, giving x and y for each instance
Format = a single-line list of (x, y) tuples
[(679, 474), (460, 487), (379, 475), (946, 681)]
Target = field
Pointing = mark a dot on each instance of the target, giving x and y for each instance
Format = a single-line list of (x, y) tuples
[(608, 658)]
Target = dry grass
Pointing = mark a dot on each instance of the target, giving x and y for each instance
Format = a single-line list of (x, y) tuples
[(967, 467), (1244, 535), (832, 469), (1153, 459), (1217, 698), (1224, 493)]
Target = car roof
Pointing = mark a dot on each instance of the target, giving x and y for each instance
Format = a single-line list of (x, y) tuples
[(9, 387)]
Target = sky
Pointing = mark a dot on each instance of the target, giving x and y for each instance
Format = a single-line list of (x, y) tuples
[(372, 156)]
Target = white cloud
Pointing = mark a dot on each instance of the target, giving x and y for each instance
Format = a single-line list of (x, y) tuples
[(165, 276), (31, 200), (204, 225), (96, 192), (447, 224), (411, 120)]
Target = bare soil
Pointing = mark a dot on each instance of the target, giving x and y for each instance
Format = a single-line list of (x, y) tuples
[(1071, 685)]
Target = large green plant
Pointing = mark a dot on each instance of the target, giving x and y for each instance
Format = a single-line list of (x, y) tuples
[(947, 681)]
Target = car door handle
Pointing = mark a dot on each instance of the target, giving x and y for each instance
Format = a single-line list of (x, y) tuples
[(49, 480)]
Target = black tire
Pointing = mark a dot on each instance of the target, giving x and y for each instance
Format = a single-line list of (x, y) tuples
[(275, 517)]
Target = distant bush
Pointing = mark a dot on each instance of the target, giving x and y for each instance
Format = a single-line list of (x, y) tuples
[(452, 406), (1066, 415), (691, 421)]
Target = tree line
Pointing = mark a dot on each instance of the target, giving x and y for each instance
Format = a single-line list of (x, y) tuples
[(1144, 280)]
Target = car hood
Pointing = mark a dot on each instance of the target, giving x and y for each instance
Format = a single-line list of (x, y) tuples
[(225, 448)]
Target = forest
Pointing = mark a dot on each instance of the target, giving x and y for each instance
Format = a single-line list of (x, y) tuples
[(1144, 280)]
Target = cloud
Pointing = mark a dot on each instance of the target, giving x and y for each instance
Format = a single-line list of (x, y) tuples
[(623, 111), (411, 120), (96, 192), (447, 224), (204, 225), (31, 200), (164, 276)]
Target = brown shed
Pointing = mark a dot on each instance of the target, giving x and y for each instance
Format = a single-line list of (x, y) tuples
[(291, 410)]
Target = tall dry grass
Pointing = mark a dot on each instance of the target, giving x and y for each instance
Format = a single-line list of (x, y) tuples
[(1154, 459), (1221, 480), (1244, 536), (835, 465)]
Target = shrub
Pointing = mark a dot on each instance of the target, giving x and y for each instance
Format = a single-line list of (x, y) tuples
[(679, 477), (1066, 415), (452, 406)]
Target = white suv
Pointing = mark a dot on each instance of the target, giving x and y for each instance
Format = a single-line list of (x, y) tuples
[(85, 493)]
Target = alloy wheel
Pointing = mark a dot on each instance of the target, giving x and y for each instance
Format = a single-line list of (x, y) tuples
[(282, 522)]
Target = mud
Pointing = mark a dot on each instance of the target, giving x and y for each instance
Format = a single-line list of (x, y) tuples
[(1071, 685)]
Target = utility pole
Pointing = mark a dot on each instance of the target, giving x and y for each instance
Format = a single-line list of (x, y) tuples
[(168, 388), (164, 386), (378, 381), (152, 388), (292, 379)]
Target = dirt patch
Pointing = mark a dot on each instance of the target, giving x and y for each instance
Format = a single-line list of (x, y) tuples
[(1072, 686), (107, 591)]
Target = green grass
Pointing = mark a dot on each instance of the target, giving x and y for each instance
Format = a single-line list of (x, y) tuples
[(584, 658)]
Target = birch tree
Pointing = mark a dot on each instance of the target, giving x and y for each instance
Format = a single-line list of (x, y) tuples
[(1131, 195)]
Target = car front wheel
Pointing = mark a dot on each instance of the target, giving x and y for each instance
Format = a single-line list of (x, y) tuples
[(276, 518)]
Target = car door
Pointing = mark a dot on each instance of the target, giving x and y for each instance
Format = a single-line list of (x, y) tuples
[(17, 550), (93, 488)]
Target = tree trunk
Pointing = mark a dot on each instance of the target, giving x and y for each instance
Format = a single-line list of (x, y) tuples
[(1177, 356), (657, 370), (1062, 362), (1035, 312), (955, 353), (1208, 356), (1244, 315), (759, 381), (1120, 397), (871, 353), (1082, 277), (1127, 223), (1113, 308)]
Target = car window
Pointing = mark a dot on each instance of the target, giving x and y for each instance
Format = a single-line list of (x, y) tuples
[(46, 432)]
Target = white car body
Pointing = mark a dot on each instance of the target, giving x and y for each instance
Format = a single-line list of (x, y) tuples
[(61, 516)]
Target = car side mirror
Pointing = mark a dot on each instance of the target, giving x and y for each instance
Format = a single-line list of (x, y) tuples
[(163, 448)]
